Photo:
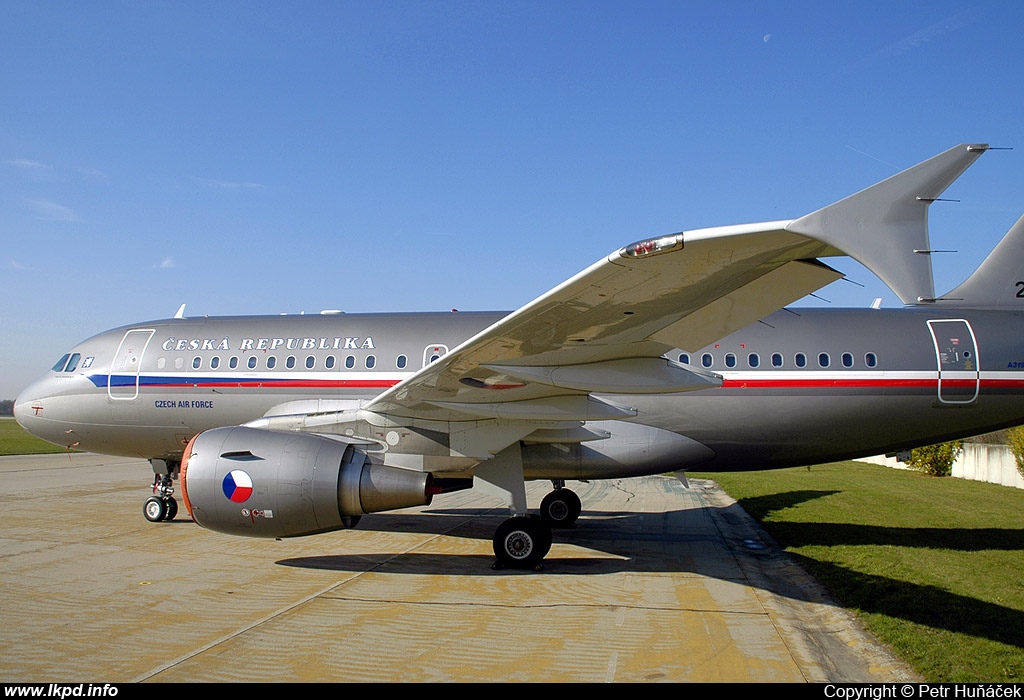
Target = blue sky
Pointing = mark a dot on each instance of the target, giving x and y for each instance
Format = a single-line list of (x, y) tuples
[(270, 157)]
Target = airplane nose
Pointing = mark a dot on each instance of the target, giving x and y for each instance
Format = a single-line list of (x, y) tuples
[(23, 411), (30, 410)]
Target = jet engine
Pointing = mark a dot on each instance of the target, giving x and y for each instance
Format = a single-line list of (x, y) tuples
[(264, 483)]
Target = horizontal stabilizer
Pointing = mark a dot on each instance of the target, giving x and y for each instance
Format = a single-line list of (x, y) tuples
[(885, 227)]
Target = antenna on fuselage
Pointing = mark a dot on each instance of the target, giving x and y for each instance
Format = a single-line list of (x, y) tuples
[(180, 313)]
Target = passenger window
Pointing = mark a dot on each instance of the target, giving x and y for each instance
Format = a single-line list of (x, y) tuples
[(730, 360), (271, 362), (370, 361), (253, 360), (329, 362), (823, 359), (290, 362), (684, 358), (847, 360), (776, 359), (233, 362), (197, 362), (401, 362), (870, 360), (61, 363), (310, 362), (800, 359), (179, 363), (753, 360), (214, 362), (350, 362), (707, 360)]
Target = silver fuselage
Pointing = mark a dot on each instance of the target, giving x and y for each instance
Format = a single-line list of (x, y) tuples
[(801, 386)]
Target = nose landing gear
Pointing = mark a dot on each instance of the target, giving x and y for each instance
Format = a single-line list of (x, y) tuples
[(161, 505), (157, 509)]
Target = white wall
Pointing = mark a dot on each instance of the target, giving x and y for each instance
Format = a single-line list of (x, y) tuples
[(992, 463)]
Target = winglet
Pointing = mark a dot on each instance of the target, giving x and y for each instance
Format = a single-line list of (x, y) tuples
[(885, 227), (180, 313)]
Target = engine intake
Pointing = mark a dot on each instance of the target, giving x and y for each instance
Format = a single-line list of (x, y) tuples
[(264, 483)]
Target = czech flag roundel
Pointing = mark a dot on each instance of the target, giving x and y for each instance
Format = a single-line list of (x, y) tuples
[(237, 486)]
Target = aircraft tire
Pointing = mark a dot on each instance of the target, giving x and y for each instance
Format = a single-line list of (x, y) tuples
[(522, 542), (561, 508), (154, 509), (172, 508)]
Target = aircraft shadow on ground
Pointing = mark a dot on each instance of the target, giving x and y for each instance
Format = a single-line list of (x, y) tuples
[(930, 606), (627, 542)]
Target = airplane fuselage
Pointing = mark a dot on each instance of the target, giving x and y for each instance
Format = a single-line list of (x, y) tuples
[(283, 426), (801, 386)]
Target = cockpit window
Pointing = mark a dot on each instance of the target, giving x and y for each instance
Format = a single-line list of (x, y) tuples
[(67, 363)]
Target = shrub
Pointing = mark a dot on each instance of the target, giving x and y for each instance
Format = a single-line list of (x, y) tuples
[(936, 460), (1015, 439)]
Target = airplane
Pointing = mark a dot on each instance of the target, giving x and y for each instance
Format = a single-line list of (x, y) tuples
[(672, 353)]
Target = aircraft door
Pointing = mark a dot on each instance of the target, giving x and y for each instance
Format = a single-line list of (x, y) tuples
[(123, 379), (956, 351)]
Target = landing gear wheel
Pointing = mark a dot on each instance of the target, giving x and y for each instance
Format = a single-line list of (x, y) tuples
[(561, 508), (172, 508), (522, 542), (155, 509)]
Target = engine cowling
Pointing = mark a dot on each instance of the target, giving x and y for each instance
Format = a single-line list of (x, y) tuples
[(264, 483)]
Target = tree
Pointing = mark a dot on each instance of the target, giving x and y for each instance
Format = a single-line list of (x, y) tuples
[(1015, 439), (936, 460)]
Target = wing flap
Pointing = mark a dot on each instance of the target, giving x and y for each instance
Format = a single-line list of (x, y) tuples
[(754, 300), (637, 375), (554, 409)]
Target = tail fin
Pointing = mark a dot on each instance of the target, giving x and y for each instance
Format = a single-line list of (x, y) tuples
[(999, 280)]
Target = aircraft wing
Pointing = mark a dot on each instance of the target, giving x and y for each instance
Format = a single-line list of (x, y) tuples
[(604, 330), (561, 360)]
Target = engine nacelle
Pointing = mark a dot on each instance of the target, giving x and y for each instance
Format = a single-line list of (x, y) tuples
[(263, 483)]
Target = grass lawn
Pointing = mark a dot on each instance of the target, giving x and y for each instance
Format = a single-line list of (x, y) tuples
[(15, 441), (934, 566)]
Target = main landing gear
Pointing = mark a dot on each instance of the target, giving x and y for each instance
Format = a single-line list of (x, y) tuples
[(522, 541), (161, 505)]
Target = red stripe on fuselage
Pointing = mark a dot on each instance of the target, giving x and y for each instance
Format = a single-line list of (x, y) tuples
[(867, 383)]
